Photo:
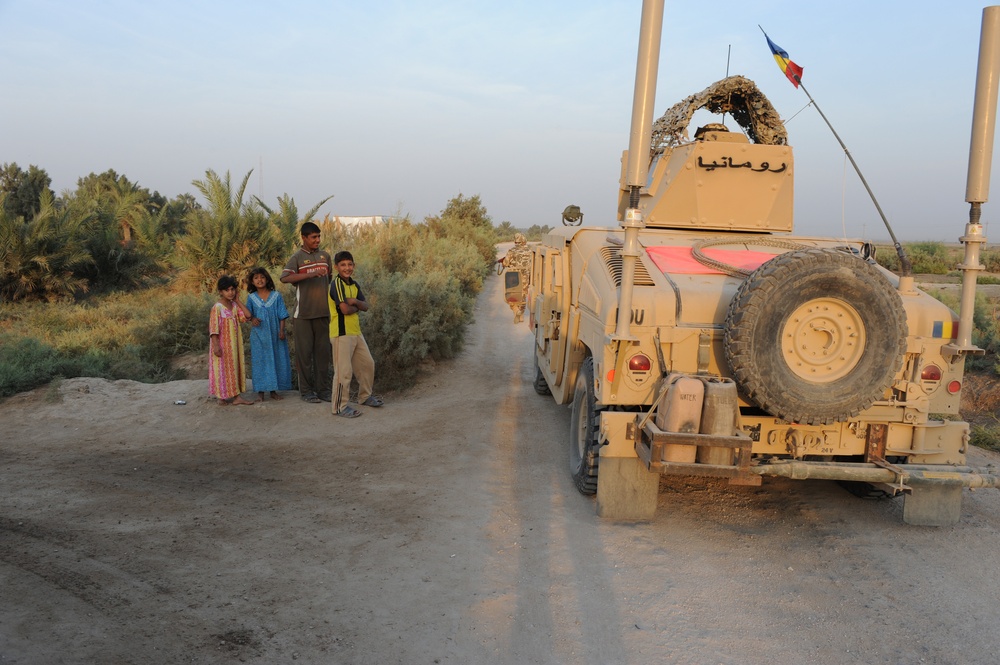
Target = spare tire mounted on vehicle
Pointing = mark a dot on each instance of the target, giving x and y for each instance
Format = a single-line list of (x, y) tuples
[(815, 336)]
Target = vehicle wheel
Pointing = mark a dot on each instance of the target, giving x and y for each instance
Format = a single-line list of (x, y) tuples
[(815, 336), (583, 429), (540, 385)]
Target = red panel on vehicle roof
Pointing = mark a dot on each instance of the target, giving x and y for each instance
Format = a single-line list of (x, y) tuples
[(680, 260)]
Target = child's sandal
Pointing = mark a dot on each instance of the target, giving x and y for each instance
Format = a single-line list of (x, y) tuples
[(348, 412)]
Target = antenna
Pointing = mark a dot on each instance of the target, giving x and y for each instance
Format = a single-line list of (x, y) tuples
[(729, 52)]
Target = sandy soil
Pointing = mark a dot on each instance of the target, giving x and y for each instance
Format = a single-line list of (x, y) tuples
[(442, 528)]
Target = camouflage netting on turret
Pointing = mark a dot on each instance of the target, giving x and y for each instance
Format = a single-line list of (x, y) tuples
[(735, 95)]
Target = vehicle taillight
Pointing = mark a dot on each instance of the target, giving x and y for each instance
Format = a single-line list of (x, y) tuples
[(639, 363), (931, 373), (954, 387)]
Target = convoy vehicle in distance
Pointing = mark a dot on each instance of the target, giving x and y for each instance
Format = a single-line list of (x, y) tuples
[(702, 337)]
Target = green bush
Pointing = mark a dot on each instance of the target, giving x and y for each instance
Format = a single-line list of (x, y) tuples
[(462, 261), (930, 258), (422, 287), (465, 220), (413, 318), (505, 232), (885, 256), (990, 260), (25, 363), (926, 258), (421, 281), (42, 258), (124, 336)]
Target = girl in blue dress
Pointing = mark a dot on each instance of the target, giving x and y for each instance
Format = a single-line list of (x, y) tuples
[(270, 364)]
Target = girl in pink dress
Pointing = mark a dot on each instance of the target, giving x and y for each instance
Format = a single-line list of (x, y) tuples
[(227, 375)]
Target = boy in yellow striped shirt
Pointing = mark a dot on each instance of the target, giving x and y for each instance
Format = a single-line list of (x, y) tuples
[(351, 357)]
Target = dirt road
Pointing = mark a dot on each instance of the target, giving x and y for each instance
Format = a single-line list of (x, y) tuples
[(442, 528)]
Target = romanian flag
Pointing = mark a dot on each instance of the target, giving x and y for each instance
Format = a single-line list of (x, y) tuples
[(792, 71)]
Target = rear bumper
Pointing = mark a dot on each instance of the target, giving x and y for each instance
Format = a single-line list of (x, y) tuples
[(654, 448)]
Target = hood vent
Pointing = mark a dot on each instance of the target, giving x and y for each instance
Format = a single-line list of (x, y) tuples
[(613, 260)]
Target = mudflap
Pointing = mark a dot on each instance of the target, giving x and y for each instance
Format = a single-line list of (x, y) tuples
[(938, 504), (626, 489)]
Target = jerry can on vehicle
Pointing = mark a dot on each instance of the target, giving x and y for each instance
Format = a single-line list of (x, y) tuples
[(680, 411)]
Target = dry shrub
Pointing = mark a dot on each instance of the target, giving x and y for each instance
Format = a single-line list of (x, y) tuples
[(980, 404), (980, 395)]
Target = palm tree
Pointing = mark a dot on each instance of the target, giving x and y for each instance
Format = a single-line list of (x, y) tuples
[(287, 219), (115, 209), (128, 203), (41, 259), (229, 236)]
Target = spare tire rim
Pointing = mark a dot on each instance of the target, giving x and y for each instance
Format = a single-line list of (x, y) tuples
[(823, 340)]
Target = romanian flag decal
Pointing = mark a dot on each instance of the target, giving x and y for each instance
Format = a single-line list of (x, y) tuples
[(945, 329), (792, 71)]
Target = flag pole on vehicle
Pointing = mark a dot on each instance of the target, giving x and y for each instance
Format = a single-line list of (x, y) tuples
[(793, 73)]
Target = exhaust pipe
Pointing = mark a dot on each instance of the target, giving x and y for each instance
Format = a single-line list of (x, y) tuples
[(977, 188)]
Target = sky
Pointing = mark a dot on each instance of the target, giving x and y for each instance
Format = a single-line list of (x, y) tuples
[(393, 108)]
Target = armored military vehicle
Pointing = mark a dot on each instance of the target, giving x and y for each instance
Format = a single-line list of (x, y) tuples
[(701, 337)]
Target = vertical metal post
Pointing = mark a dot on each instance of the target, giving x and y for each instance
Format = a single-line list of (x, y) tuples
[(980, 161), (644, 97)]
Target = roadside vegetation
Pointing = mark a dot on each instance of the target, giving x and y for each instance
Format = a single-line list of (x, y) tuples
[(115, 281), (938, 258)]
